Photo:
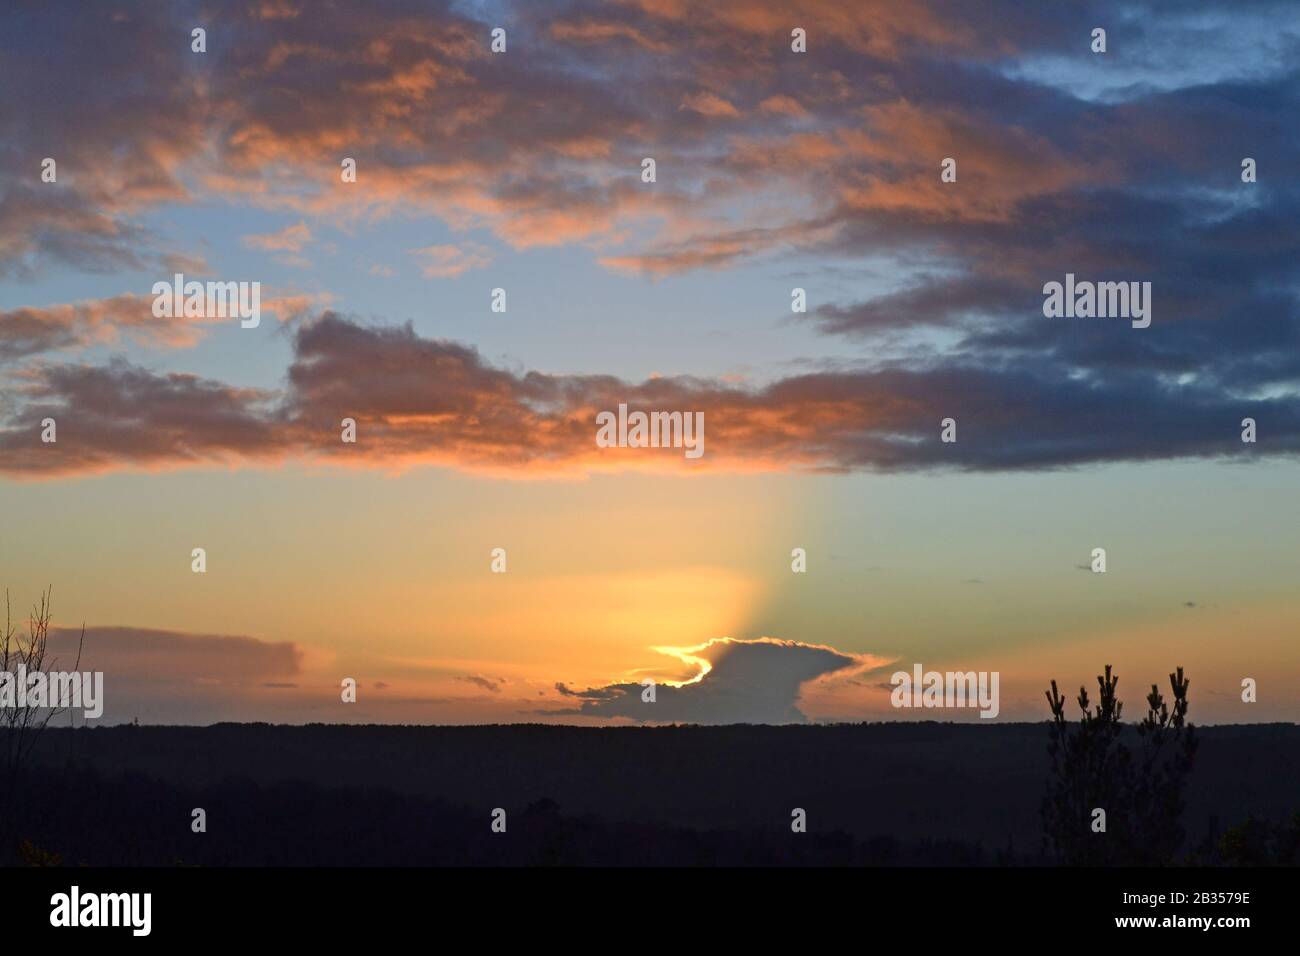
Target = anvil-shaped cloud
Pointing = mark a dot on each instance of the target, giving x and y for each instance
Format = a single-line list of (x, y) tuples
[(736, 682)]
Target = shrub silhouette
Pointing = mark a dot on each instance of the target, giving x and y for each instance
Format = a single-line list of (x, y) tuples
[(1261, 843), (1136, 774)]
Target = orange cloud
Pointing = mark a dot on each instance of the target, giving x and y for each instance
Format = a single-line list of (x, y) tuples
[(448, 261), (708, 104), (31, 331), (591, 31), (425, 402), (289, 239)]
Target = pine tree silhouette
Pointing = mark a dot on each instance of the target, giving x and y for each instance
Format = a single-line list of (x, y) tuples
[(1137, 775)]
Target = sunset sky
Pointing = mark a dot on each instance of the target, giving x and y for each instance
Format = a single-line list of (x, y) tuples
[(476, 429)]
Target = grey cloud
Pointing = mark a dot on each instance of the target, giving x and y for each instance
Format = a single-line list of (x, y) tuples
[(753, 682)]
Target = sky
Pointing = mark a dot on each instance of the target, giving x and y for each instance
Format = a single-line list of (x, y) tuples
[(775, 169)]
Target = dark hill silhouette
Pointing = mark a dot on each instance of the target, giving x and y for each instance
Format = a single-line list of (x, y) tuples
[(874, 793)]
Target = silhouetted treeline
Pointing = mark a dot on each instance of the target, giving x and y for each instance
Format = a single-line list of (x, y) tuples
[(879, 794), (131, 819)]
